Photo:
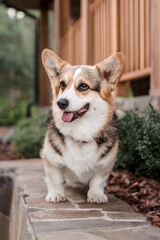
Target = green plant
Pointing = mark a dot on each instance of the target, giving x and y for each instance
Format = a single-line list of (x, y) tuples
[(12, 115), (28, 136), (139, 143)]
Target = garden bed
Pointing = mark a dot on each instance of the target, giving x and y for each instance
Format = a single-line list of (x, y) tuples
[(141, 193), (7, 152)]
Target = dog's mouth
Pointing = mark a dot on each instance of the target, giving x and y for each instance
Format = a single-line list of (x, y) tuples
[(71, 116)]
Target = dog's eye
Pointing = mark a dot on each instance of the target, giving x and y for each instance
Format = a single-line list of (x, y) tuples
[(62, 85), (83, 87)]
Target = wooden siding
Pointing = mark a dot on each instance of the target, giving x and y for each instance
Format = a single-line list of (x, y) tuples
[(71, 44), (114, 25)]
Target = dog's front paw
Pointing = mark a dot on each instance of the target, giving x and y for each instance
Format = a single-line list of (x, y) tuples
[(95, 197), (55, 197)]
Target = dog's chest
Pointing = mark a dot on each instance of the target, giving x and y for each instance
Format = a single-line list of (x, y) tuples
[(80, 157)]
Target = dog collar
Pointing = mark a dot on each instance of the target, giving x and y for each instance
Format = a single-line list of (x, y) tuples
[(82, 141)]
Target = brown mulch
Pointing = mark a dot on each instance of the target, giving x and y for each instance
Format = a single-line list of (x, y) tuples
[(7, 152), (141, 193)]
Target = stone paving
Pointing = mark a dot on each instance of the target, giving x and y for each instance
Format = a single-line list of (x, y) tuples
[(33, 218)]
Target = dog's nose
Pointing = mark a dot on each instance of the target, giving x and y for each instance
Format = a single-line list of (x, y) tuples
[(63, 103)]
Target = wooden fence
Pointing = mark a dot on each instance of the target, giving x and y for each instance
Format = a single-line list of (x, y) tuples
[(114, 25)]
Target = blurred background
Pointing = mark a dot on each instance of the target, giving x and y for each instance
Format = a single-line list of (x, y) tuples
[(80, 32)]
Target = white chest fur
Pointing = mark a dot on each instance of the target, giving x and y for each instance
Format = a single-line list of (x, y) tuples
[(79, 160), (80, 157)]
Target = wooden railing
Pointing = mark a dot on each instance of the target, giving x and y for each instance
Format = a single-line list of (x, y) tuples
[(114, 25), (103, 30), (134, 37), (71, 44)]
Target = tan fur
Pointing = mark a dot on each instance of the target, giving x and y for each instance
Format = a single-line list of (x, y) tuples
[(105, 93), (110, 115), (108, 169), (47, 163), (67, 78)]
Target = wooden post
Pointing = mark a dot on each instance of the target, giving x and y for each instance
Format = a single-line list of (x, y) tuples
[(121, 16), (62, 21), (44, 87), (155, 48), (57, 25), (114, 26), (85, 21), (123, 88), (64, 16)]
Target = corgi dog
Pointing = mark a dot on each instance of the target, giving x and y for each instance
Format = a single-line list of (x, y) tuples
[(82, 138)]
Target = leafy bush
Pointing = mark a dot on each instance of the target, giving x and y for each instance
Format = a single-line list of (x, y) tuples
[(139, 143), (28, 136), (10, 117)]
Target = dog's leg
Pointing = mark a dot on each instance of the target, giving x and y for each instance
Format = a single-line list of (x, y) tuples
[(96, 189), (99, 181), (54, 180)]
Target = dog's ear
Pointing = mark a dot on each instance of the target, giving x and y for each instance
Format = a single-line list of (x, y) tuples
[(111, 70), (52, 63)]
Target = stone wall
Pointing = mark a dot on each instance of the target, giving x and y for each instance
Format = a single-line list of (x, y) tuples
[(6, 186), (138, 104)]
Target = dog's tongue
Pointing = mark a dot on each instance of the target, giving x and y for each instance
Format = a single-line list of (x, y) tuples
[(67, 116)]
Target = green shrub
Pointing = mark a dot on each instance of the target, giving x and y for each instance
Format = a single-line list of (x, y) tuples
[(139, 143), (28, 136), (11, 116)]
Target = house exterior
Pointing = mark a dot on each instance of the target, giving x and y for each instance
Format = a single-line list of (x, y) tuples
[(87, 31)]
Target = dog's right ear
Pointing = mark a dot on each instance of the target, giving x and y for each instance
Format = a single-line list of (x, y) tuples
[(52, 63)]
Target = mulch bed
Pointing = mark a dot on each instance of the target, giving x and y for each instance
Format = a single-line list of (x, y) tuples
[(141, 193), (7, 152)]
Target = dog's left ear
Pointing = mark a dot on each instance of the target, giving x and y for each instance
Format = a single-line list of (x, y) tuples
[(111, 70), (52, 63)]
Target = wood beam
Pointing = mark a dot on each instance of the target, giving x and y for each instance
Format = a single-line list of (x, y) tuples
[(135, 75), (155, 48), (114, 24), (85, 29), (64, 16), (57, 25), (44, 87), (61, 20)]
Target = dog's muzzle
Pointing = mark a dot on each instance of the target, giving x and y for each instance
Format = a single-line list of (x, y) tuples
[(71, 116)]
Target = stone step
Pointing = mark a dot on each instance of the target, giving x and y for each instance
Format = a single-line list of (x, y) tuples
[(34, 218)]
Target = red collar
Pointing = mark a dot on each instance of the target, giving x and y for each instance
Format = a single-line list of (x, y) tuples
[(84, 142)]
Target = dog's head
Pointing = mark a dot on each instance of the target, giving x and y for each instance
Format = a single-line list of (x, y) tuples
[(82, 102)]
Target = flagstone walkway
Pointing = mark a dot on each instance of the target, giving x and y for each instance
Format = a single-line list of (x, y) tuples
[(33, 218)]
